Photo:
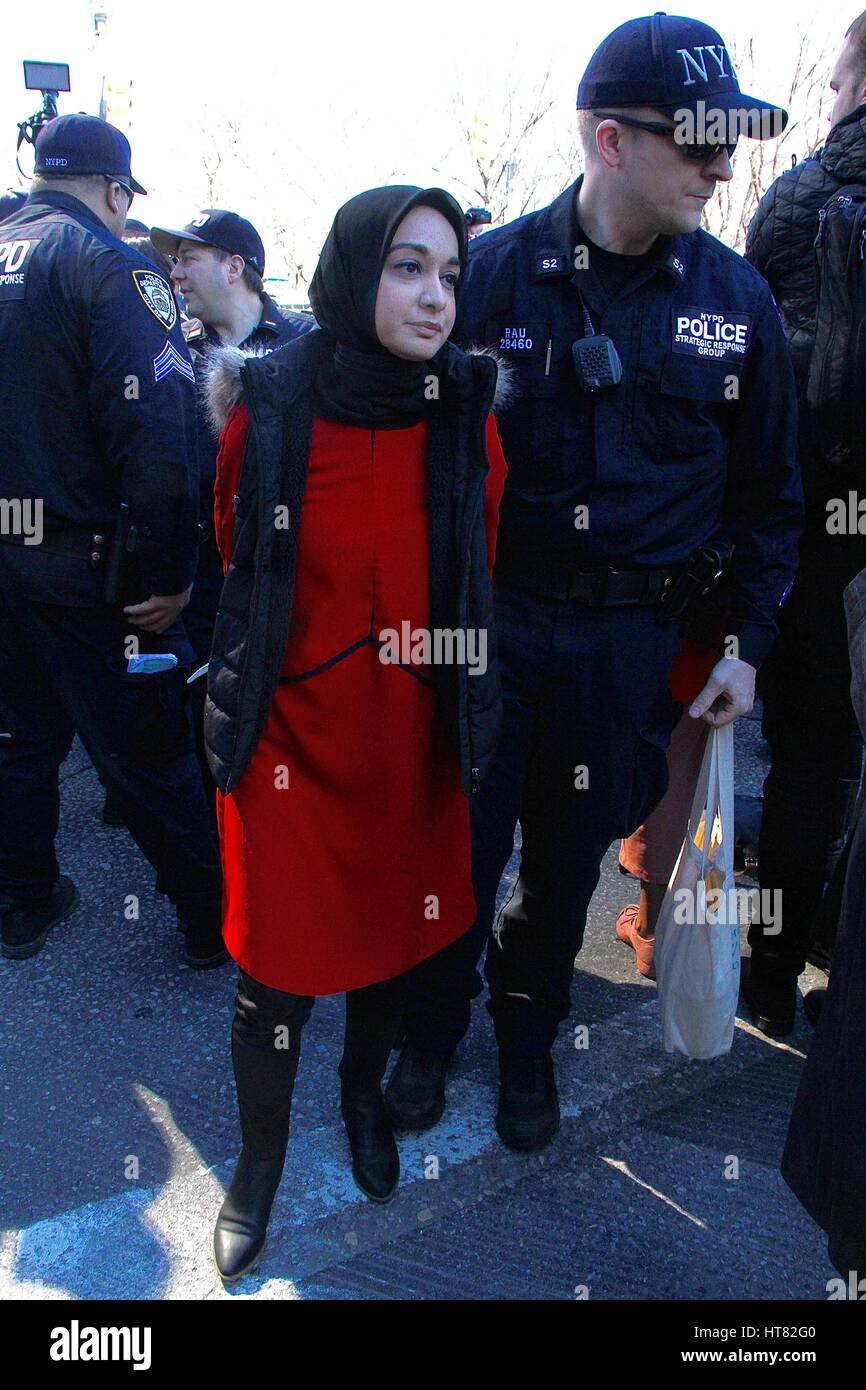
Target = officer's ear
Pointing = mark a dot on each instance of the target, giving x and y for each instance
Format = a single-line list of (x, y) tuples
[(235, 266), (115, 198), (608, 143)]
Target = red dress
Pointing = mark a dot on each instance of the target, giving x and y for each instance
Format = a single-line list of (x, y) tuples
[(345, 842)]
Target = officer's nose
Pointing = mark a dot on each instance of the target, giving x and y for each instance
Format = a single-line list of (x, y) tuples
[(720, 168), (176, 274)]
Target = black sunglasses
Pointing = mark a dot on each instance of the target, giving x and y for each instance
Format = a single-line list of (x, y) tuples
[(701, 151), (130, 193)]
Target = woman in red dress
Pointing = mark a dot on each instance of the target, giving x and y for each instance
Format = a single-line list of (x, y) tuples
[(352, 692)]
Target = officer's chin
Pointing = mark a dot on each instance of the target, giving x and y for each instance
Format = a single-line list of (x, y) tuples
[(686, 219)]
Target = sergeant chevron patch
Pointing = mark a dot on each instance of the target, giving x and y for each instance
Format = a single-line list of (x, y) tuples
[(170, 360)]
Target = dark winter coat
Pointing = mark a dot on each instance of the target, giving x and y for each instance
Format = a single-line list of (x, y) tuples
[(781, 239), (825, 1152)]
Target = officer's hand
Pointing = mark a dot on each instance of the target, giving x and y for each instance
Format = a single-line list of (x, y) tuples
[(159, 611), (729, 692)]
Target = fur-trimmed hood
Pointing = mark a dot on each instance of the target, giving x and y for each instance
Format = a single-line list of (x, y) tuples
[(222, 388)]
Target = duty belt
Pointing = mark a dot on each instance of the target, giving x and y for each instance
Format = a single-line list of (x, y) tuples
[(599, 586)]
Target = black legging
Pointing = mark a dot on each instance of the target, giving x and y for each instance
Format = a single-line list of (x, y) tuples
[(266, 1046)]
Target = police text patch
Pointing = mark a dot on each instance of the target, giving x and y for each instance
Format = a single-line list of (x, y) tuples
[(14, 256), (157, 295), (549, 264), (719, 335), (518, 336)]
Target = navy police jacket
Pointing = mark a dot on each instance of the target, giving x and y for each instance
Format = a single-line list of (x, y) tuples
[(698, 438), (273, 329), (97, 405)]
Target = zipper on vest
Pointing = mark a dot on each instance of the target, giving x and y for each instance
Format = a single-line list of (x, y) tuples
[(476, 781)]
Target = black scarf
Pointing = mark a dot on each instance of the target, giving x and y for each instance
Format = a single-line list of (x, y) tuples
[(363, 383)]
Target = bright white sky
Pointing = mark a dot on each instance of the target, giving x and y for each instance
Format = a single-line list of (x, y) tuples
[(330, 99)]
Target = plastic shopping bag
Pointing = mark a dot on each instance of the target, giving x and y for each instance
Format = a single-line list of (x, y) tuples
[(697, 945)]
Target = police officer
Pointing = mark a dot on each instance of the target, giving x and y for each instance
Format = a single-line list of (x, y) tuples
[(98, 542), (219, 261), (656, 410)]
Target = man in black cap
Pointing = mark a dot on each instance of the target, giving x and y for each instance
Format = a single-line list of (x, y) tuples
[(654, 427), (97, 476), (219, 262)]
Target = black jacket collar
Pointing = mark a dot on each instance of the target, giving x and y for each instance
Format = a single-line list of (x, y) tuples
[(271, 325), (556, 239), (64, 202), (844, 155)]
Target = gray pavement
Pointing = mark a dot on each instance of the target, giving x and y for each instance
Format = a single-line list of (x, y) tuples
[(119, 1131)]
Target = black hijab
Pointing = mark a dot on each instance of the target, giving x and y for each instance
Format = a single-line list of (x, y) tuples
[(363, 383)]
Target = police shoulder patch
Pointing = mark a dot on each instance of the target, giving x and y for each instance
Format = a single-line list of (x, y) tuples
[(157, 295)]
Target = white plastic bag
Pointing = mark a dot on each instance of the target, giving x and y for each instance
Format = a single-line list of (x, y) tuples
[(697, 943)]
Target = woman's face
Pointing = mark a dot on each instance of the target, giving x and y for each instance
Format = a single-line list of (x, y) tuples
[(415, 304)]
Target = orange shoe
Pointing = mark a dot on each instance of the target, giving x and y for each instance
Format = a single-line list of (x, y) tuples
[(626, 930)]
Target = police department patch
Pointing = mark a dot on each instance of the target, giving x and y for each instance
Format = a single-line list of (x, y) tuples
[(157, 295), (717, 334)]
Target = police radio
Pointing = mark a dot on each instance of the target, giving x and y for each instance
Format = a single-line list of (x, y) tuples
[(596, 361)]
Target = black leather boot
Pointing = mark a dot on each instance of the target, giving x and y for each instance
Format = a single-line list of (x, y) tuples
[(375, 1160), (813, 1003), (239, 1236), (415, 1094), (23, 931), (527, 1116), (772, 993)]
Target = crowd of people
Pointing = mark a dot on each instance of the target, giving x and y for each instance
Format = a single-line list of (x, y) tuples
[(595, 447)]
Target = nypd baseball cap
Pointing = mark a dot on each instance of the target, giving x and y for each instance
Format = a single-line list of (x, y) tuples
[(215, 227), (672, 64), (79, 144)]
